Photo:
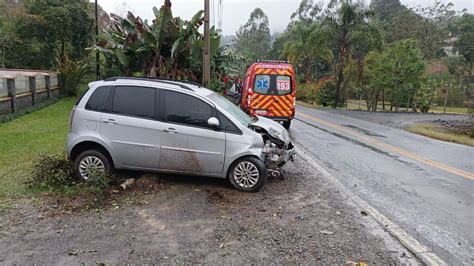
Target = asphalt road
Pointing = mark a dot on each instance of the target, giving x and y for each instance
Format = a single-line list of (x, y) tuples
[(424, 186)]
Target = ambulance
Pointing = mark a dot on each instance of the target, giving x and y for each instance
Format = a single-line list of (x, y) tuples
[(269, 90)]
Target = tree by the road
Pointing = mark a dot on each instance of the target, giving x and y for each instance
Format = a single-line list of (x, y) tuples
[(464, 30), (347, 22), (398, 69), (253, 40)]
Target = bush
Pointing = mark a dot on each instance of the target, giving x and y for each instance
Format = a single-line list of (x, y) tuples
[(306, 92), (55, 173), (70, 73), (326, 93), (51, 171), (216, 85)]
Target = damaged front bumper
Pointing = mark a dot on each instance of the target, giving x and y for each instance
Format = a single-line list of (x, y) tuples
[(275, 157)]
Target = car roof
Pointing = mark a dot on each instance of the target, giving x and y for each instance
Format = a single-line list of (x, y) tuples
[(179, 85)]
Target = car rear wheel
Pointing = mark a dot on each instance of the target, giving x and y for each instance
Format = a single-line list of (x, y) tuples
[(92, 162), (287, 124), (248, 174)]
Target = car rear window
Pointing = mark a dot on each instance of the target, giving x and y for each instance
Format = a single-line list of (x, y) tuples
[(134, 101), (272, 84), (97, 100)]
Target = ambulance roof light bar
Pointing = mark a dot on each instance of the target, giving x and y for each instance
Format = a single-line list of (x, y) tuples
[(272, 61)]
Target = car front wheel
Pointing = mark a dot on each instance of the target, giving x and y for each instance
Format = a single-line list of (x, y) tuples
[(248, 174), (92, 162)]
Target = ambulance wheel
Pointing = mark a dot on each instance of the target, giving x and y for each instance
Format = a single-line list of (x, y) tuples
[(287, 124)]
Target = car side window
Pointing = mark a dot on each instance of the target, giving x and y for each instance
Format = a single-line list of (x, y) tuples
[(185, 109), (134, 101), (227, 125), (97, 100)]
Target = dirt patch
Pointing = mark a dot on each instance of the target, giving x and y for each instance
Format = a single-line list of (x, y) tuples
[(189, 219), (459, 127), (53, 204)]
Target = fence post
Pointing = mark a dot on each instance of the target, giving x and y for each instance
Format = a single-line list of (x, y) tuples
[(32, 82), (47, 84), (11, 92)]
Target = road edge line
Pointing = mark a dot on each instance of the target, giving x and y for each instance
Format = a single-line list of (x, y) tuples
[(421, 251)]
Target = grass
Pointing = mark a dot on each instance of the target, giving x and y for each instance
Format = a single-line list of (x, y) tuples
[(435, 132), (23, 139), (450, 110)]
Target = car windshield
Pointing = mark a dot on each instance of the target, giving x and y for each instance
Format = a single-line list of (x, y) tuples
[(235, 111)]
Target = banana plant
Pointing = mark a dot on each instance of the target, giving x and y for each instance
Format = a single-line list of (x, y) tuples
[(168, 47)]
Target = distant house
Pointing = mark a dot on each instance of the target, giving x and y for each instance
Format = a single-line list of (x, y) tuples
[(449, 48)]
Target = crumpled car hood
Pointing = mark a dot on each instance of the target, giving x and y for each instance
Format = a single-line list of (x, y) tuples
[(273, 129)]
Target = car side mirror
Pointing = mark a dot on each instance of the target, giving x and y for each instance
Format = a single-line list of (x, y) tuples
[(213, 122)]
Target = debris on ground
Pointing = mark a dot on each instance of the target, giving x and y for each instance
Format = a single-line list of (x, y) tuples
[(326, 232), (127, 183)]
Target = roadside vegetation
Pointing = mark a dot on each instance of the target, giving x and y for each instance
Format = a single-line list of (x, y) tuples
[(342, 53), (25, 138), (438, 132)]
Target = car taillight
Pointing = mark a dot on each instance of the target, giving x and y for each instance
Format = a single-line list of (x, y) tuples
[(71, 117)]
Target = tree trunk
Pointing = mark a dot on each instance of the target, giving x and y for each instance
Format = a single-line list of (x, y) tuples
[(340, 72), (446, 98), (469, 75), (383, 99), (309, 72)]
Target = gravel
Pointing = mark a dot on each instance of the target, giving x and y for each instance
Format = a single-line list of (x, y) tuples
[(299, 218), (402, 119)]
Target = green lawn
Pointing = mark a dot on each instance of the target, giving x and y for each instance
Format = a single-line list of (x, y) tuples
[(23, 139)]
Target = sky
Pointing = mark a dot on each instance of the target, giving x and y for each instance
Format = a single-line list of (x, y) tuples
[(237, 12)]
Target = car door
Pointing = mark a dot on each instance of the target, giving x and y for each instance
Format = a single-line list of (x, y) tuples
[(189, 144), (234, 92), (131, 128)]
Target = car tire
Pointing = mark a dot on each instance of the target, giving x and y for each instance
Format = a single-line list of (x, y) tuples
[(248, 174), (287, 124), (92, 158)]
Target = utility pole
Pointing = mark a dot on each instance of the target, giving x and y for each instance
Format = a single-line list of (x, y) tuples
[(97, 55), (206, 58)]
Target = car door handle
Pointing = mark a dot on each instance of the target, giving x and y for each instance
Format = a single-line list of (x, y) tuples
[(170, 130), (110, 121)]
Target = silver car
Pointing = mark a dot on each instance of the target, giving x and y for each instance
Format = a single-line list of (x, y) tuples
[(173, 127)]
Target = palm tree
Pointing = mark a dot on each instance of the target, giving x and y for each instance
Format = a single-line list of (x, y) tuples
[(306, 46), (346, 25)]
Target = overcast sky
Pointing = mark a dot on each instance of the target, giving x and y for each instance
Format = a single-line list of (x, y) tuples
[(237, 12)]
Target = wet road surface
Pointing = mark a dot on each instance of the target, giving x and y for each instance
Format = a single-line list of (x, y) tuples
[(425, 186)]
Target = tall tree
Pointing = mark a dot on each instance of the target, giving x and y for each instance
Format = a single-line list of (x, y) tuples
[(308, 11), (464, 30), (63, 26), (345, 24), (428, 25), (253, 40), (384, 10), (306, 47), (404, 62)]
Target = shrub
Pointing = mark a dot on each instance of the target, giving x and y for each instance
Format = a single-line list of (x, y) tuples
[(216, 85), (306, 92), (326, 92), (51, 171), (70, 74)]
